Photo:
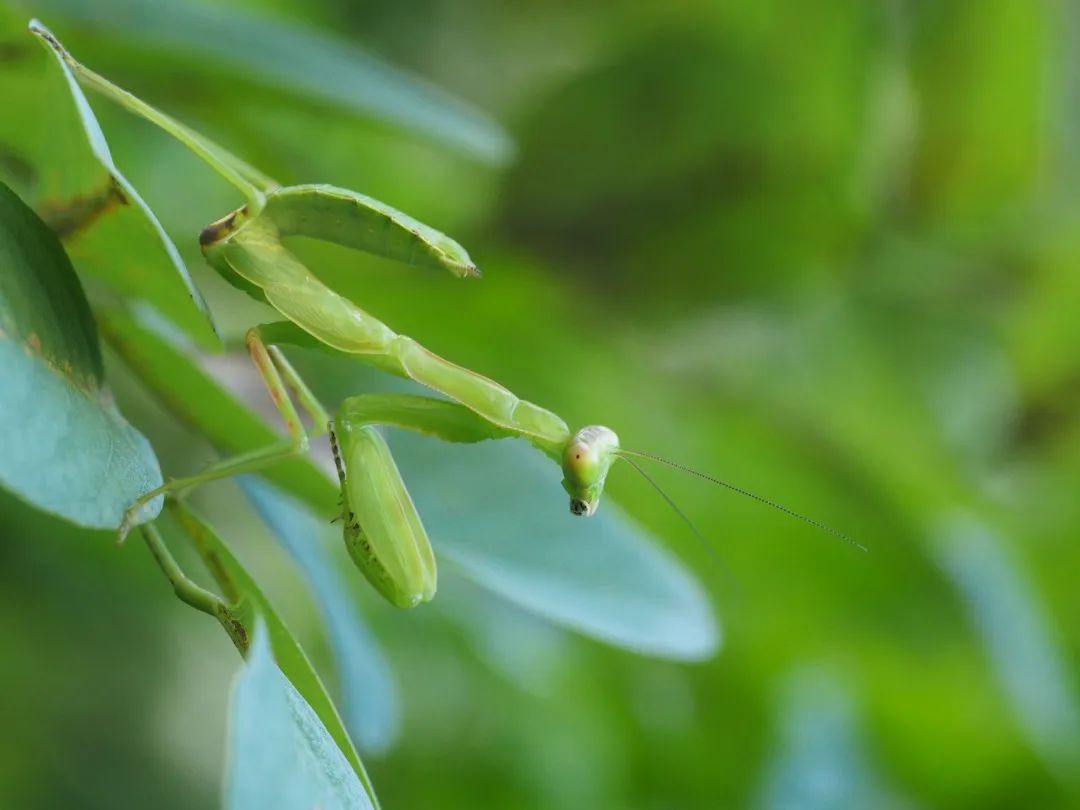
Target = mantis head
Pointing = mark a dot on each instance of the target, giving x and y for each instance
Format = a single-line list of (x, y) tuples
[(592, 450), (585, 462)]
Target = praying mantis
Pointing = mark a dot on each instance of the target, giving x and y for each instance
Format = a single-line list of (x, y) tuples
[(383, 531)]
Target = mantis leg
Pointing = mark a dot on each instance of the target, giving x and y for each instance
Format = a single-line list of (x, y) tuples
[(187, 590), (280, 377), (438, 418), (383, 531), (496, 410), (232, 614)]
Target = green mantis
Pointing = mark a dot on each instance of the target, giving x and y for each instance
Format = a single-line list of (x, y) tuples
[(383, 531)]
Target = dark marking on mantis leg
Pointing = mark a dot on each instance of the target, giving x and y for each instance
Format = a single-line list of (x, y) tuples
[(354, 535), (219, 229), (337, 459)]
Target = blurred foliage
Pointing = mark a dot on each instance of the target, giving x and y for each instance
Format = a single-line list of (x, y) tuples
[(831, 254)]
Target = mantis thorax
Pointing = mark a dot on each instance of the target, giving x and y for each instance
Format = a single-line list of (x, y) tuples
[(586, 460)]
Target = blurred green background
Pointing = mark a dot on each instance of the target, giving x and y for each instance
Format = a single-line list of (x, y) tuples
[(828, 251)]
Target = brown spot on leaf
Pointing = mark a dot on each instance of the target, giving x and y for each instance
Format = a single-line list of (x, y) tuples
[(69, 218)]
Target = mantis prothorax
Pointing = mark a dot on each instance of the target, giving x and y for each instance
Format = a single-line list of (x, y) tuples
[(383, 531)]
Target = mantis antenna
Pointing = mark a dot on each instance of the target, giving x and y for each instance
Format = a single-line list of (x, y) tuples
[(672, 504), (626, 454), (729, 577)]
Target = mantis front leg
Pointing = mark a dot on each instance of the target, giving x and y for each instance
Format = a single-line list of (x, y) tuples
[(383, 531), (280, 378)]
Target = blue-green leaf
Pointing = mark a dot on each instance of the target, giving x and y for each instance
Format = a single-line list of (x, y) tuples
[(63, 445), (497, 513), (250, 605), (280, 753), (821, 761), (369, 700), (1018, 637)]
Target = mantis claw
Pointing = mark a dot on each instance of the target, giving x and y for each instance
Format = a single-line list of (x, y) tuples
[(131, 516), (126, 525)]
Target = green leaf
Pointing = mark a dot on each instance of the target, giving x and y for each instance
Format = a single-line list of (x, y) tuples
[(241, 174), (368, 691), (249, 606), (280, 753), (497, 512), (65, 447), (285, 54), (108, 228)]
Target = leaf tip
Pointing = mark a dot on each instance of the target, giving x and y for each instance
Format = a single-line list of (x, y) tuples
[(38, 29)]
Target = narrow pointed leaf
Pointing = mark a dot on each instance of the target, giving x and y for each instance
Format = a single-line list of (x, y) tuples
[(369, 698), (108, 228), (821, 760), (1017, 634), (280, 753), (250, 606)]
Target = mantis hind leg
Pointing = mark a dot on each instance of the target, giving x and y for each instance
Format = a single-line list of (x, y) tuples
[(280, 378), (186, 589)]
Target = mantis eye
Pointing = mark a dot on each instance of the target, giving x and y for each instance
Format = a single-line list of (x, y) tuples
[(585, 462)]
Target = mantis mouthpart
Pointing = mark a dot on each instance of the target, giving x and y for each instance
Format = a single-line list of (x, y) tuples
[(383, 532)]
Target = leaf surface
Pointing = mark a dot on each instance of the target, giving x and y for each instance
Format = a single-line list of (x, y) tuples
[(109, 229), (369, 697), (64, 447), (250, 607), (280, 753), (497, 512)]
